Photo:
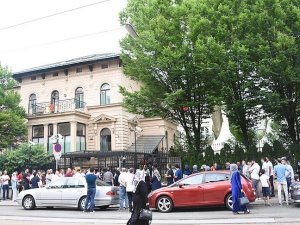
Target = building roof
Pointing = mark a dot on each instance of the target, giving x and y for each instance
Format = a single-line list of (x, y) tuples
[(66, 64)]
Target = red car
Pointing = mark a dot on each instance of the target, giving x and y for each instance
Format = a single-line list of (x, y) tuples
[(210, 188)]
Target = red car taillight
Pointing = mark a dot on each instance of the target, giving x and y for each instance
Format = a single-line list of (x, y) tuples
[(110, 193)]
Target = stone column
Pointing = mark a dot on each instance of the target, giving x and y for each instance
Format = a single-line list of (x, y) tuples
[(46, 137), (55, 128), (73, 136)]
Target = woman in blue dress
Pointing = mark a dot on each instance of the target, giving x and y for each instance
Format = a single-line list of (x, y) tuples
[(237, 189)]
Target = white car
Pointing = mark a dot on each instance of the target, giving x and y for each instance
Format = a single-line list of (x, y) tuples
[(68, 192)]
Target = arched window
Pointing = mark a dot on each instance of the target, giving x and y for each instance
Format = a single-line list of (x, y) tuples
[(105, 94), (105, 140), (32, 104), (54, 101), (79, 98)]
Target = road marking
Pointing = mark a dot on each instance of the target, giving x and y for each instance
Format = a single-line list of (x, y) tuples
[(120, 221)]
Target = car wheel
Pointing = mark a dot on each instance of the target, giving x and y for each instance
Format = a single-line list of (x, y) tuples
[(28, 202), (164, 204), (228, 201), (81, 203)]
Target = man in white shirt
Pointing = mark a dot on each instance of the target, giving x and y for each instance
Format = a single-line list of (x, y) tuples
[(271, 179), (123, 194), (290, 176), (254, 170), (5, 186), (265, 166), (245, 169)]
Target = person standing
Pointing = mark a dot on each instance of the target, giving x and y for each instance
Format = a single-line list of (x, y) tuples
[(169, 175), (49, 177), (265, 183), (139, 200), (265, 166), (77, 173), (14, 183), (254, 175), (195, 169), (245, 170), (280, 171), (129, 187), (156, 179), (123, 194), (271, 179), (34, 181), (91, 190), (290, 176), (236, 190), (108, 177), (0, 182), (186, 171), (5, 184), (178, 173), (69, 173)]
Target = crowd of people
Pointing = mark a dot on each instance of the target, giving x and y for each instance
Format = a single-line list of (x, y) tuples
[(134, 185), (262, 179)]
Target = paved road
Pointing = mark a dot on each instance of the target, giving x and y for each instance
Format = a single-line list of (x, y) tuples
[(15, 215)]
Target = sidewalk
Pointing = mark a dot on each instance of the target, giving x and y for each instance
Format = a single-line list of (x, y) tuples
[(8, 202)]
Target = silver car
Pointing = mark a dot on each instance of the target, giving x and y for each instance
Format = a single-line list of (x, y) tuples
[(68, 192), (295, 192)]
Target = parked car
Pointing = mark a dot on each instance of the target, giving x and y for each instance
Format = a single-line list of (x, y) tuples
[(211, 188), (68, 192), (295, 191)]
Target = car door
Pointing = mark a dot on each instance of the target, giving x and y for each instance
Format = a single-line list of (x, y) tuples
[(51, 195), (74, 189), (215, 186), (189, 191)]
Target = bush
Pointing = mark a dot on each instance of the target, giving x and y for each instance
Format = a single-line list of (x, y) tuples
[(24, 157)]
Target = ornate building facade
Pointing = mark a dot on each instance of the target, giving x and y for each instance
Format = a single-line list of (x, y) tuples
[(80, 100)]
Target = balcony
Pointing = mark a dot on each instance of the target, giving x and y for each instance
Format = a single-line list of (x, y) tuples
[(61, 106)]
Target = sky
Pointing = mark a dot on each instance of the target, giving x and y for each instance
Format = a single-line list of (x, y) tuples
[(86, 31)]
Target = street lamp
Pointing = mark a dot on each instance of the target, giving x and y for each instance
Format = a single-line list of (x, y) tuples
[(136, 129), (130, 29)]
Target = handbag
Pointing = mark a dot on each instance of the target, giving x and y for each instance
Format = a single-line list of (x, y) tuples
[(145, 214), (244, 200)]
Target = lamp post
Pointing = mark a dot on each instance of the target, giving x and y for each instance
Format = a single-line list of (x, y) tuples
[(135, 156), (130, 29), (136, 129)]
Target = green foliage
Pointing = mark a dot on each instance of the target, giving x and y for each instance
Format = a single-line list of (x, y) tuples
[(226, 154), (188, 155), (24, 157), (194, 54), (267, 151), (209, 156), (12, 122), (177, 66)]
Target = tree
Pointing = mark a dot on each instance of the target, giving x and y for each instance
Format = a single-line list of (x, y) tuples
[(209, 156), (226, 154), (267, 151), (277, 59), (176, 63), (12, 122), (24, 156)]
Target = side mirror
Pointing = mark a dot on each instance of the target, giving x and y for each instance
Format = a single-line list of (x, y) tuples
[(180, 185)]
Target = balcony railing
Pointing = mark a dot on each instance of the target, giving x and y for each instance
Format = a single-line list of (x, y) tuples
[(68, 105)]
